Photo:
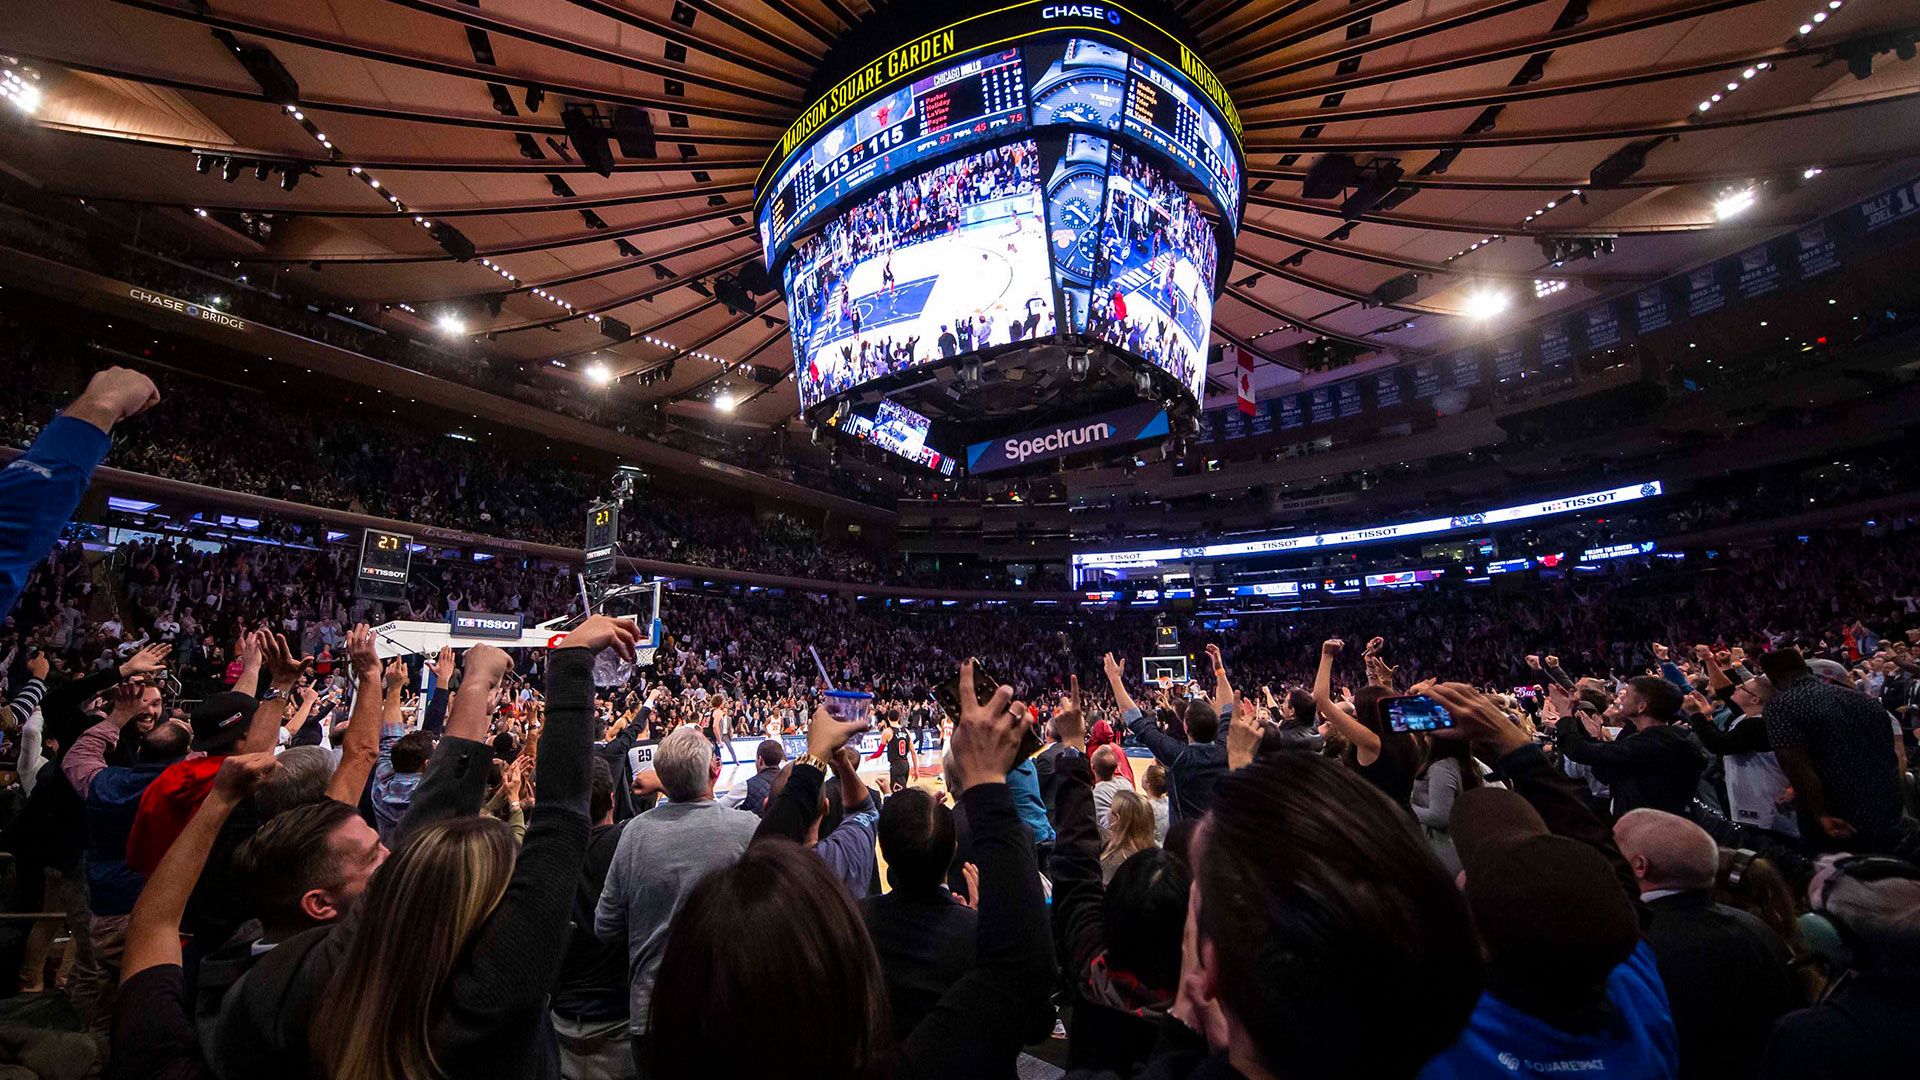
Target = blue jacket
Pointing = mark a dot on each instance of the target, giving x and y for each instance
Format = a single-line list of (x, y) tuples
[(112, 802), (38, 492)]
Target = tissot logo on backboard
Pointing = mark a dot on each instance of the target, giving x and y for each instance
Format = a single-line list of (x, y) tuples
[(1080, 11)]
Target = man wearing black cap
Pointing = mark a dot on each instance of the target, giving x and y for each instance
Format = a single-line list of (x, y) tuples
[(1571, 988), (1658, 764), (1838, 747)]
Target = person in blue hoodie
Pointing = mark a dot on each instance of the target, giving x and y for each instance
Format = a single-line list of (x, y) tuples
[(40, 488), (1572, 987)]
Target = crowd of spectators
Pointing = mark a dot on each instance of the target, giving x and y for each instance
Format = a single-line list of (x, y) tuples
[(1645, 826)]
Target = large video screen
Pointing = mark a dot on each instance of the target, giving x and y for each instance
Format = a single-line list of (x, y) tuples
[(1153, 287), (899, 430), (1076, 81), (1165, 114), (951, 261), (1076, 190), (1053, 77), (964, 103)]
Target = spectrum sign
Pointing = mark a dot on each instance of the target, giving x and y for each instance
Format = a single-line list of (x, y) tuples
[(1112, 429)]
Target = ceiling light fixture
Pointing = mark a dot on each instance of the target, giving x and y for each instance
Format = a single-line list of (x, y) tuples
[(1485, 303), (1734, 203), (452, 325)]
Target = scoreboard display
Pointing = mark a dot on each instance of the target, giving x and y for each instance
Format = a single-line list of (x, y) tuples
[(1016, 68), (603, 530), (1166, 116), (386, 558), (950, 108)]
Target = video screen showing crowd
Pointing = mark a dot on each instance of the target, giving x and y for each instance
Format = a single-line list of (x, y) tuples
[(1153, 296), (947, 262)]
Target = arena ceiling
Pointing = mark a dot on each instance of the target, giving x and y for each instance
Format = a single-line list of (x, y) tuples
[(1497, 111)]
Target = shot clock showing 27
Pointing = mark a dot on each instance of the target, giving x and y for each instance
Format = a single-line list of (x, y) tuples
[(956, 196), (386, 558)]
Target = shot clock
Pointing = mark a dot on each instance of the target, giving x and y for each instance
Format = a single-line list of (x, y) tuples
[(385, 559), (603, 526)]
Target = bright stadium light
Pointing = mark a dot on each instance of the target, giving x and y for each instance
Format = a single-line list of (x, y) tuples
[(599, 375), (1734, 203), (452, 325), (1485, 303), (724, 402)]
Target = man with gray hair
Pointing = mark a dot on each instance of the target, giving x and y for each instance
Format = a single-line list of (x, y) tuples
[(1727, 973), (662, 855)]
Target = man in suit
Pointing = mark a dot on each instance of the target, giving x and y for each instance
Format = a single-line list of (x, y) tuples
[(1726, 972), (923, 934)]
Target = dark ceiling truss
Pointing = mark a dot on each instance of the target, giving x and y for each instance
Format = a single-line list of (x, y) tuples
[(644, 297), (764, 388), (700, 191), (731, 367), (644, 262), (665, 30), (754, 30), (696, 43), (1548, 42), (1338, 20), (1363, 46), (1484, 228), (1693, 122), (1274, 269), (1310, 326), (1327, 247), (1200, 24), (684, 351), (377, 112), (1252, 348), (1537, 91), (404, 165), (475, 72), (522, 248), (1664, 180)]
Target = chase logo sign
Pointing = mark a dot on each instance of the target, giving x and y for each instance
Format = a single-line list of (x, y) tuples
[(1080, 11), (196, 312)]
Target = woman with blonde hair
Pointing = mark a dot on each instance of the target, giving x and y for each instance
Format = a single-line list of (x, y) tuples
[(1129, 832), (450, 954)]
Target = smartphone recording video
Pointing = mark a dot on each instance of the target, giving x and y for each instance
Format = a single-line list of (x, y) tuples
[(1416, 712)]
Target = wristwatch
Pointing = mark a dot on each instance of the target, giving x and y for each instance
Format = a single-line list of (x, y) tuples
[(1087, 85), (1075, 194)]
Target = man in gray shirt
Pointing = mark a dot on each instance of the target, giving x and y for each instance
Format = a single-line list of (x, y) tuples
[(663, 854)]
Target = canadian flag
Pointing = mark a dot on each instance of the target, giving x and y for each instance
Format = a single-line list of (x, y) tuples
[(1243, 362)]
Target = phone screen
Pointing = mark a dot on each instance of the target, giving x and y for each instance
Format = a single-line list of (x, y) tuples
[(1415, 712)]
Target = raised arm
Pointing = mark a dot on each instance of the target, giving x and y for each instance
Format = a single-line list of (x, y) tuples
[(1164, 746), (153, 933), (284, 667), (981, 1022), (455, 781), (43, 486), (361, 748), (1223, 696), (1366, 744), (1554, 796)]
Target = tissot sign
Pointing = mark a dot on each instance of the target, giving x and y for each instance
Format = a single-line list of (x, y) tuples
[(201, 312), (485, 624), (1106, 430)]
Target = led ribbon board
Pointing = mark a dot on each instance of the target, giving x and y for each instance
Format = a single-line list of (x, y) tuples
[(1592, 500), (1001, 72)]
